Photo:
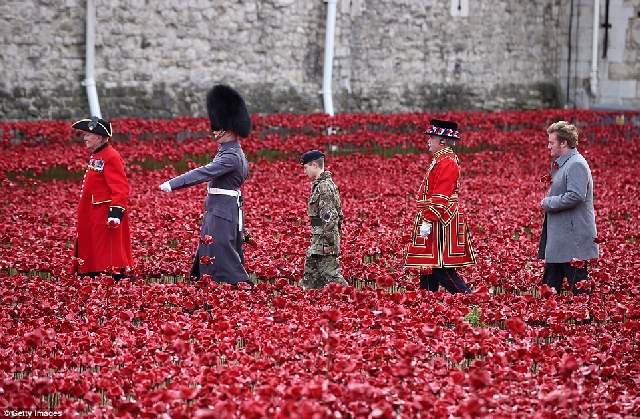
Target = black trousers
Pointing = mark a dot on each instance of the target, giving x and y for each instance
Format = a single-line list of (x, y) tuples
[(447, 277), (555, 273), (115, 276)]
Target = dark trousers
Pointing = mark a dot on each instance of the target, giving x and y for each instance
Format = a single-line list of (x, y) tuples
[(447, 277), (555, 273), (115, 276)]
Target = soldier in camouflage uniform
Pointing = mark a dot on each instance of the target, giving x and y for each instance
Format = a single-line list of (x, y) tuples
[(325, 213)]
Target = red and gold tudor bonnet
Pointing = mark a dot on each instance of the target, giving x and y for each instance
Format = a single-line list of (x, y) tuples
[(446, 129)]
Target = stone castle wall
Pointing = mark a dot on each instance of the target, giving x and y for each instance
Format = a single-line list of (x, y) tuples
[(157, 58), (618, 72)]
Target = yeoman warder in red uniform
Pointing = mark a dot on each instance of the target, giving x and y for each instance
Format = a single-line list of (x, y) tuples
[(440, 241)]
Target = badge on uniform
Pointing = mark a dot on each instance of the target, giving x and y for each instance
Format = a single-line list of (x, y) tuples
[(96, 164)]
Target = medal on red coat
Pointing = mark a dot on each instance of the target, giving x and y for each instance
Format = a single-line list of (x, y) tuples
[(96, 164)]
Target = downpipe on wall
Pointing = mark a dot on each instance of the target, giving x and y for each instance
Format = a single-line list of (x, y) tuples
[(328, 57), (569, 55), (90, 45), (594, 49)]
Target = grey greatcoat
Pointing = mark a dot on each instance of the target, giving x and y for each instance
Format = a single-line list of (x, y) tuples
[(219, 252), (569, 226)]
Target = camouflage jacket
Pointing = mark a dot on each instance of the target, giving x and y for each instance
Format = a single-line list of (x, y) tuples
[(325, 214)]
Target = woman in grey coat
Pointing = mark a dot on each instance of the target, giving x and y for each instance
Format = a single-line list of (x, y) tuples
[(219, 251), (569, 237)]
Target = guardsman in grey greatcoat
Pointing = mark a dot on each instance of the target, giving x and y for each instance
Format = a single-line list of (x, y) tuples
[(569, 237), (219, 252), (325, 213)]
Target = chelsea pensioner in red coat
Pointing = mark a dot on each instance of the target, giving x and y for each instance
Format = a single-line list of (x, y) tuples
[(103, 243)]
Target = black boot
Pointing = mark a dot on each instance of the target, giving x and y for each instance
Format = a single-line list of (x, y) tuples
[(429, 282)]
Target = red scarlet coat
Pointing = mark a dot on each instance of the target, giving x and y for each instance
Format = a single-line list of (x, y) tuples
[(449, 244), (105, 192)]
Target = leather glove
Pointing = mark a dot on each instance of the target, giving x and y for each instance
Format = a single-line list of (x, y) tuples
[(425, 229), (165, 187), (113, 222)]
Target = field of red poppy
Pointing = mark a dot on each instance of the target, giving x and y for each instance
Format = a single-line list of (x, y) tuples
[(161, 345)]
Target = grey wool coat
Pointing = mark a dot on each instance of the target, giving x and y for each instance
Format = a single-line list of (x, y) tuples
[(219, 251), (569, 229)]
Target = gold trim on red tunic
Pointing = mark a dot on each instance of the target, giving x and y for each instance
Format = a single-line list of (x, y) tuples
[(100, 202)]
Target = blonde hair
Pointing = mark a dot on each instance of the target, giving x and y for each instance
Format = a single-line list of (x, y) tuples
[(564, 132)]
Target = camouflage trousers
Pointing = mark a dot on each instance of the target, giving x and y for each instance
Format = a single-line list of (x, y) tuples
[(320, 270)]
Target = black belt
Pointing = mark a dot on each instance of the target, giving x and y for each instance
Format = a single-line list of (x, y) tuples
[(316, 221)]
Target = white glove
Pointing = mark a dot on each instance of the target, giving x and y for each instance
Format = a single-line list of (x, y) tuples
[(425, 229), (113, 221), (165, 187)]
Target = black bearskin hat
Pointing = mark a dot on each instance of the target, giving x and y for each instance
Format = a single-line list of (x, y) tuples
[(227, 111)]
